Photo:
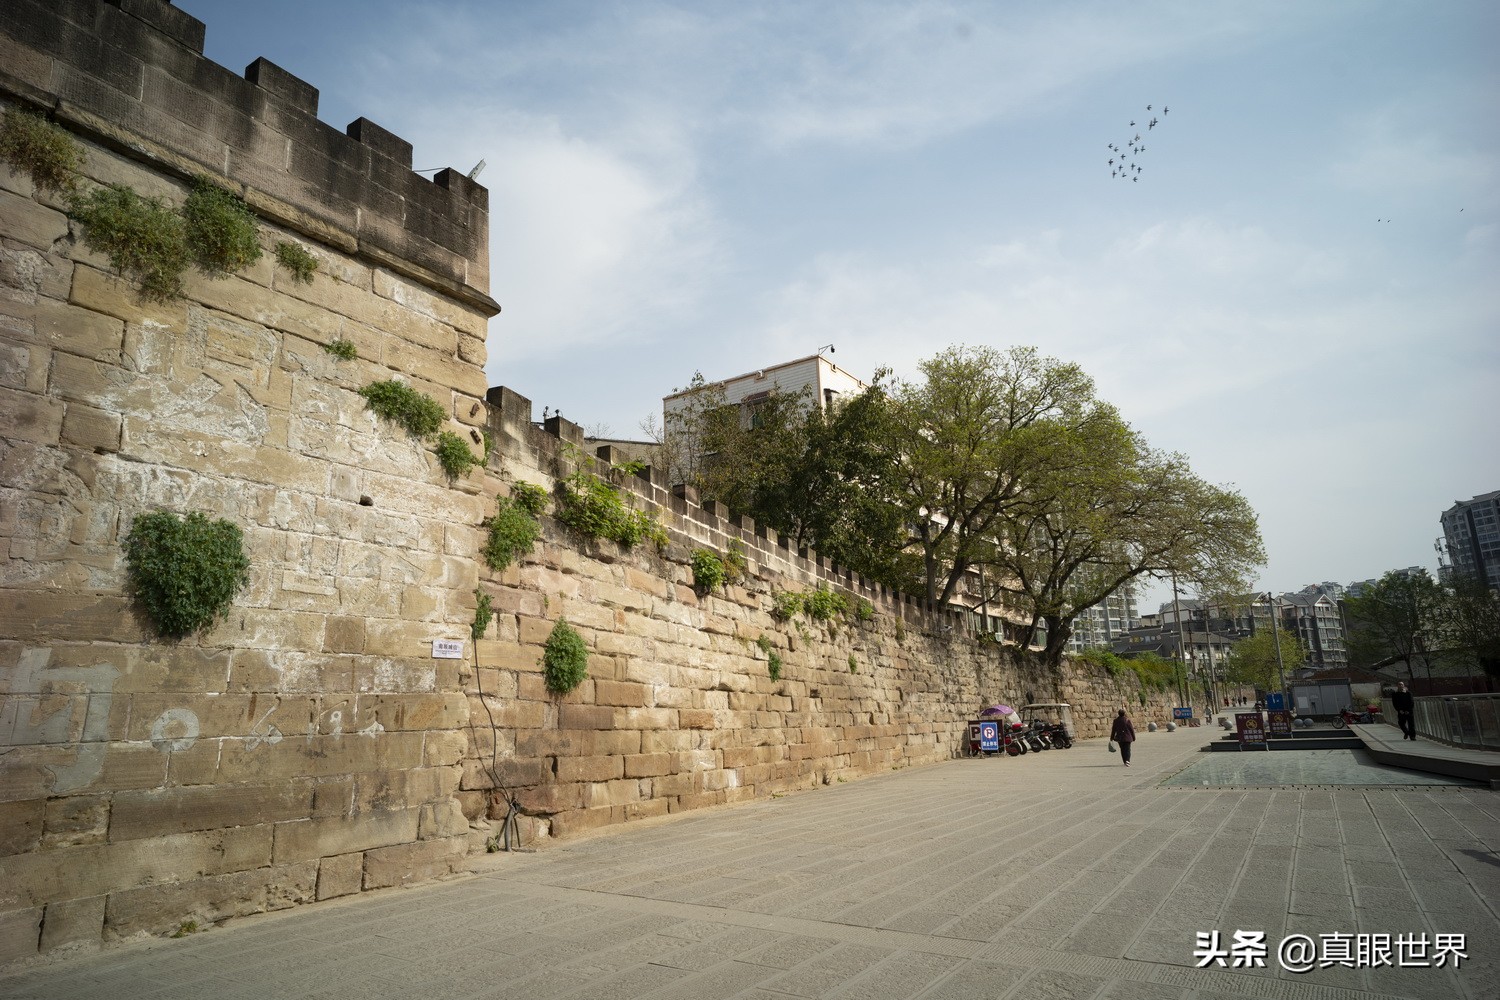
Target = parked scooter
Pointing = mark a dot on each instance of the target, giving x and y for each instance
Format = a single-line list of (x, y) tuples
[(1348, 718), (1055, 733)]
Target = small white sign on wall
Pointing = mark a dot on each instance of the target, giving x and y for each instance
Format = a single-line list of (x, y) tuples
[(447, 649)]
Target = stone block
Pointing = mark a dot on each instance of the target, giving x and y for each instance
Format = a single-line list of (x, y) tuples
[(93, 870), (341, 875), (21, 825), (648, 765), (620, 693), (406, 864), (442, 820), (73, 921), (321, 837), (592, 768), (75, 820), (31, 223), (20, 933), (153, 812), (30, 417), (585, 717)]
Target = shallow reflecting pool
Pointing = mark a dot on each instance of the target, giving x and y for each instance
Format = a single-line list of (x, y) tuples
[(1264, 768)]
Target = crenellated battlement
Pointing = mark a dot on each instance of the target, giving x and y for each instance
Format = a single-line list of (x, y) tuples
[(132, 75)]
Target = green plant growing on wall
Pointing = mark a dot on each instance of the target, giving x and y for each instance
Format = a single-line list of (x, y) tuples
[(594, 508), (511, 533), (773, 665), (564, 659), (529, 497), (735, 564), (221, 233), (853, 664), (296, 259), (399, 403), (708, 569), (863, 610), (822, 604), (454, 455), (185, 572), (144, 239), (786, 605), (483, 614), (41, 150), (764, 643), (342, 349)]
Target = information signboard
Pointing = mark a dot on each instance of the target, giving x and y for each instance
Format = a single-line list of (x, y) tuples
[(1275, 701), (1251, 729), (447, 649), (1280, 723), (1182, 713), (989, 736)]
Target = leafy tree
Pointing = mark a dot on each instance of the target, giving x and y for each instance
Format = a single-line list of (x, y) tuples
[(1469, 621), (1395, 619), (967, 439), (1253, 661)]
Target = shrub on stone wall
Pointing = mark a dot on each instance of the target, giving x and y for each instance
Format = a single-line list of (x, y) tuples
[(220, 228), (454, 455), (594, 508), (404, 406), (144, 238), (295, 258), (185, 571), (708, 569), (511, 533), (565, 659), (483, 614), (47, 154)]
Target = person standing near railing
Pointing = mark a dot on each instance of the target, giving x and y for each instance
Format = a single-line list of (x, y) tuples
[(1401, 701)]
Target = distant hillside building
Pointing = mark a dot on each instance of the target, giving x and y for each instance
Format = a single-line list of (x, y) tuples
[(815, 377), (1471, 531)]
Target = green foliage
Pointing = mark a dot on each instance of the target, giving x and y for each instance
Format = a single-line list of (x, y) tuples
[(185, 571), (454, 455), (594, 508), (342, 349), (853, 664), (185, 928), (863, 610), (221, 232), (564, 659), (483, 614), (773, 665), (529, 497), (1154, 672), (1253, 660), (708, 569), (821, 604), (764, 642), (512, 532), (144, 239), (1398, 617), (402, 405), (786, 605), (296, 259), (44, 152), (735, 564), (1107, 660)]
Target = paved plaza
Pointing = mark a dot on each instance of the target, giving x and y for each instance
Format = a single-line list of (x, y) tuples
[(1058, 876)]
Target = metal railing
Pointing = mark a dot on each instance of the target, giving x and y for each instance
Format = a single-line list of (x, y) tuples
[(1464, 720)]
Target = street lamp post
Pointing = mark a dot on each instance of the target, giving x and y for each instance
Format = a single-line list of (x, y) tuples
[(1276, 635)]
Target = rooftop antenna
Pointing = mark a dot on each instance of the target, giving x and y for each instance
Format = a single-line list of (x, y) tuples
[(474, 174), (826, 347)]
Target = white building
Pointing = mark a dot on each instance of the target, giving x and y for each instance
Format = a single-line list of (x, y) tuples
[(816, 377)]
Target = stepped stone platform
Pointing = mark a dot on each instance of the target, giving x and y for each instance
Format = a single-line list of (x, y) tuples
[(1384, 743)]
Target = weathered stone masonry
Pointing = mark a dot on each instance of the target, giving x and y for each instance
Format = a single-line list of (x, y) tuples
[(311, 746)]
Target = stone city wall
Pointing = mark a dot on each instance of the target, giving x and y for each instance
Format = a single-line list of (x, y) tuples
[(311, 745)]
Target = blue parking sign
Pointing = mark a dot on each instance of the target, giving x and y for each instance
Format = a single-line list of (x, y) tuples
[(989, 737)]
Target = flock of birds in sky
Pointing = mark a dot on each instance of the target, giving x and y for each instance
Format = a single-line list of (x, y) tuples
[(1120, 162)]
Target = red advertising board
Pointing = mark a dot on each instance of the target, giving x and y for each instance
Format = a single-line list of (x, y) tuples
[(1251, 729), (1280, 723)]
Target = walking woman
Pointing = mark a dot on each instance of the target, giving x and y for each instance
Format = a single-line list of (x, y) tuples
[(1123, 733)]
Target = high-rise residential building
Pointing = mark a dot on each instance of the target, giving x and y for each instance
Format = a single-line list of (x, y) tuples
[(1471, 532), (1097, 627)]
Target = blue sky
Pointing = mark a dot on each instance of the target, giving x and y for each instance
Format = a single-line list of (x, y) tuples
[(721, 186)]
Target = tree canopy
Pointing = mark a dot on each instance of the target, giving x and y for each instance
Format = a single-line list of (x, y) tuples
[(996, 476), (1253, 660)]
